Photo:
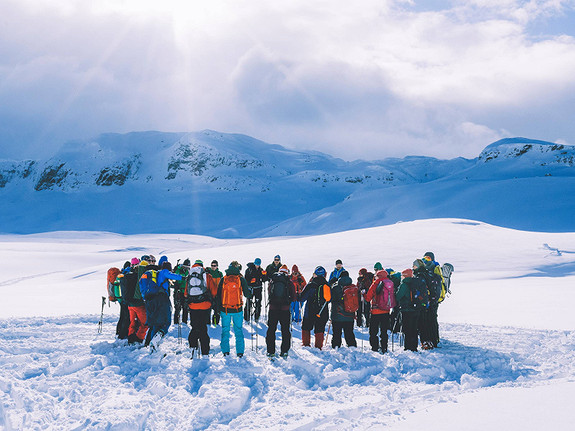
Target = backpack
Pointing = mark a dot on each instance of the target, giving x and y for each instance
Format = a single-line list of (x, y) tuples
[(446, 271), (435, 286), (232, 292), (418, 293), (279, 290), (111, 277), (385, 299), (149, 284), (197, 287), (350, 298)]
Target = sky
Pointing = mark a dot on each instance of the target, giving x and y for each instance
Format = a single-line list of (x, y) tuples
[(367, 79)]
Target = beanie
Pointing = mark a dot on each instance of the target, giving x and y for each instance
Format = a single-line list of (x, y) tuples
[(362, 271), (135, 261), (215, 262), (418, 263), (284, 269), (338, 262), (429, 254), (126, 264), (199, 262), (186, 262), (378, 266), (277, 256), (407, 273), (344, 274), (257, 261)]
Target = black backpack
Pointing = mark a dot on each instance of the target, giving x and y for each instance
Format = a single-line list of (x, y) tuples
[(418, 293), (279, 290)]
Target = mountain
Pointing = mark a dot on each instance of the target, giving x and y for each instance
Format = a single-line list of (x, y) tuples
[(229, 185)]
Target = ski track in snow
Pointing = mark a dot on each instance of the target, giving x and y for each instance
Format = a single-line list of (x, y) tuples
[(58, 373)]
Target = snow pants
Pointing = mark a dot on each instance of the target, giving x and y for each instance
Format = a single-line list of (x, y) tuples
[(424, 327), (295, 310), (159, 314), (433, 324), (363, 312), (409, 321), (347, 328), (315, 323), (378, 325), (138, 317), (283, 317), (237, 319), (123, 326), (200, 319), (180, 307)]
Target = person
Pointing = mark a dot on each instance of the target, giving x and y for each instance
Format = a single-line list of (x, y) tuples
[(316, 295), (299, 283), (409, 307), (437, 290), (158, 305), (214, 275), (342, 320), (273, 267), (136, 305), (199, 298), (336, 273), (382, 298), (424, 323), (281, 293), (364, 281), (230, 305), (180, 306), (123, 325), (394, 315), (255, 279)]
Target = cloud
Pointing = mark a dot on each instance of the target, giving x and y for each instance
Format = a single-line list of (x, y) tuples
[(384, 78)]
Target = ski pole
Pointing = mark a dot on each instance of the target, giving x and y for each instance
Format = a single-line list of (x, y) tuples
[(101, 315), (327, 335), (179, 333)]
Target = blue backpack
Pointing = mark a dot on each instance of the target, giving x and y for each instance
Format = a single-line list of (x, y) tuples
[(149, 284)]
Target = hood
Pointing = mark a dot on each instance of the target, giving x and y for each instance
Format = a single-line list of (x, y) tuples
[(232, 270), (344, 281), (381, 274), (294, 269)]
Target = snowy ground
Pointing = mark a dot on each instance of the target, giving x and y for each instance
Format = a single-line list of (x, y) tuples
[(507, 359)]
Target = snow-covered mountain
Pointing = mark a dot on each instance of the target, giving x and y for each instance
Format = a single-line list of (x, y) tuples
[(234, 185)]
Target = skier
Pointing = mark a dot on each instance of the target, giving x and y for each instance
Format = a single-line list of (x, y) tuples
[(424, 323), (281, 293), (199, 299), (364, 281), (316, 295), (342, 320), (255, 278), (158, 305), (410, 307), (437, 290), (230, 303), (180, 306), (382, 299), (136, 305), (214, 275), (299, 283), (336, 273), (273, 267)]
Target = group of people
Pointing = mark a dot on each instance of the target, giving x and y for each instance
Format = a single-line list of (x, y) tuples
[(383, 300)]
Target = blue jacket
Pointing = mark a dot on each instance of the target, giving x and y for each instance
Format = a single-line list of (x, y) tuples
[(335, 274), (163, 276)]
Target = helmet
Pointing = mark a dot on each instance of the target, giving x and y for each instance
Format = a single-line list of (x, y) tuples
[(320, 270)]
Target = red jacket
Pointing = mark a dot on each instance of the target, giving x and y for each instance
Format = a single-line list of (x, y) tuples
[(381, 277)]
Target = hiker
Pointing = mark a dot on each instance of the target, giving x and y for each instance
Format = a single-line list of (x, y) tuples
[(299, 283), (136, 305), (424, 324), (273, 267), (382, 298), (158, 305), (124, 321), (316, 295), (255, 279), (343, 301), (230, 304), (336, 273), (214, 275), (394, 315), (281, 293), (199, 299), (409, 303), (437, 290), (180, 305), (364, 281)]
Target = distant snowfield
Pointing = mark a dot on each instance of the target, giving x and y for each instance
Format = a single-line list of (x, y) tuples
[(507, 358)]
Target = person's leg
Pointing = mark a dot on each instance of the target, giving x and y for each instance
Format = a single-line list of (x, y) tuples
[(383, 331), (349, 335), (285, 322), (336, 337), (143, 329), (204, 337), (226, 321), (273, 318), (238, 320)]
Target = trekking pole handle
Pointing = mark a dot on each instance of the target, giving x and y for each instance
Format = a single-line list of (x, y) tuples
[(320, 311)]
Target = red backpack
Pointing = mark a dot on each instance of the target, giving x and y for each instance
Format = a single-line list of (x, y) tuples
[(112, 275), (350, 298)]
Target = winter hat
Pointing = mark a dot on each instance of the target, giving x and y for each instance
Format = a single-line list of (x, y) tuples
[(362, 271), (389, 270), (199, 262), (284, 269), (429, 254), (418, 263), (166, 265), (294, 269), (236, 264), (135, 261), (186, 262), (339, 262), (257, 261), (378, 266), (162, 260), (408, 273), (320, 270), (382, 273), (277, 256), (152, 258), (126, 264), (144, 263), (145, 257)]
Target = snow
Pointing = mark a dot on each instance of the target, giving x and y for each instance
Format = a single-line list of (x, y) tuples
[(507, 356)]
